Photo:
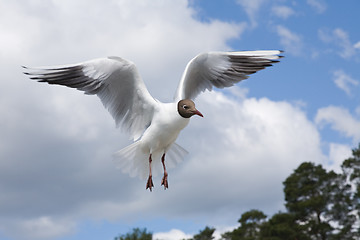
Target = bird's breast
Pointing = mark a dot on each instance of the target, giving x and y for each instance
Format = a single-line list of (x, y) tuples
[(164, 129)]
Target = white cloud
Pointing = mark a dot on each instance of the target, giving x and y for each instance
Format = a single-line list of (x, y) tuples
[(344, 81), (58, 32), (252, 8), (340, 120), (337, 154), (290, 40), (248, 142), (243, 135), (240, 153), (357, 45), (219, 230), (341, 39), (173, 234), (38, 228), (283, 11), (318, 5), (56, 143)]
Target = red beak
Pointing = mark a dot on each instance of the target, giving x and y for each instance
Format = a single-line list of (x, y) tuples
[(198, 113)]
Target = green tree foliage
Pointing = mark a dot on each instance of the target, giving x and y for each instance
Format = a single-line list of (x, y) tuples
[(351, 175), (282, 226), (321, 204), (324, 203), (309, 196), (136, 234), (250, 223), (205, 234)]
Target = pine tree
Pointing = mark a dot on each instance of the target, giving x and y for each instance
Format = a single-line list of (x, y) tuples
[(282, 226), (351, 175), (136, 234), (205, 234), (250, 225)]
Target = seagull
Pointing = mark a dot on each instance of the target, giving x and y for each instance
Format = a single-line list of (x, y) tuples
[(153, 125)]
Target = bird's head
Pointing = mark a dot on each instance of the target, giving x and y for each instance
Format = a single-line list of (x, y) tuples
[(186, 108)]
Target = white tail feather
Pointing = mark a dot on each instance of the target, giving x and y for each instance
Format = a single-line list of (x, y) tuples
[(175, 155), (135, 162)]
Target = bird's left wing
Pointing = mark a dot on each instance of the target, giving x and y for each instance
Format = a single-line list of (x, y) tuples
[(221, 69), (114, 80)]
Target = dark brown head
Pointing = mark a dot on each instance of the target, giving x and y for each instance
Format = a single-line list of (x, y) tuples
[(186, 108)]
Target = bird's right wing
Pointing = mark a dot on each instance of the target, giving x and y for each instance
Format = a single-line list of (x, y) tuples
[(114, 80), (221, 69)]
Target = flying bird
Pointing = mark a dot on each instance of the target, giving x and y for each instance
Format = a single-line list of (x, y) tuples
[(153, 125)]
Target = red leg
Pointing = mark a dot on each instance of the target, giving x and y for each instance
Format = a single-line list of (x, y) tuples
[(164, 180), (149, 183)]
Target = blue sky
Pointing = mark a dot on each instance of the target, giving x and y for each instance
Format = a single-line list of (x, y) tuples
[(57, 177)]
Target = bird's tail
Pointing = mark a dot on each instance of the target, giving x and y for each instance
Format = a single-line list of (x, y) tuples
[(134, 161)]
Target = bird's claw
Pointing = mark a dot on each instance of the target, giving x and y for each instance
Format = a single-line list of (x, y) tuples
[(149, 184), (164, 182)]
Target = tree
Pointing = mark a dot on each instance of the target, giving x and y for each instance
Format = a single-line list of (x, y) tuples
[(206, 234), (136, 234), (351, 175), (319, 200), (282, 226), (250, 223)]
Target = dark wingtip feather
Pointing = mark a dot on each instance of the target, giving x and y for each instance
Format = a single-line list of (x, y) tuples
[(25, 68), (281, 56), (35, 78)]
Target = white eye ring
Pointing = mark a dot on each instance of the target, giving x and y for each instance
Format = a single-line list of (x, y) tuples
[(185, 107)]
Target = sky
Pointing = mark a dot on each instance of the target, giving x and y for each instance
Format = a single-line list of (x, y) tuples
[(57, 177)]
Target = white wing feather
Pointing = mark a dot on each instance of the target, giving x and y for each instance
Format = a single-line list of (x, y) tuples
[(221, 69), (115, 81)]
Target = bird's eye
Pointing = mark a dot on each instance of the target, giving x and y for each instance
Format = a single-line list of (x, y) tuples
[(185, 107)]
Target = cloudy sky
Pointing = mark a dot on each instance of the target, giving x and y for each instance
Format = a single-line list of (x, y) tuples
[(57, 178)]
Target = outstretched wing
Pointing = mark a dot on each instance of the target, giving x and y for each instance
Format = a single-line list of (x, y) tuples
[(221, 69), (114, 80)]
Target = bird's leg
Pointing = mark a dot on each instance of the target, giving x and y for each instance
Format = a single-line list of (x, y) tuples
[(164, 180), (149, 183)]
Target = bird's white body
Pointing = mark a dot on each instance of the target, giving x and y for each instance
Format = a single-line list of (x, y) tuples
[(164, 128), (153, 125), (157, 139)]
